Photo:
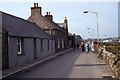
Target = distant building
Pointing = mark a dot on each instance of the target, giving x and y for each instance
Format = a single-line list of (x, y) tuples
[(78, 40), (46, 22), (114, 40), (23, 41), (71, 40), (107, 40), (74, 40)]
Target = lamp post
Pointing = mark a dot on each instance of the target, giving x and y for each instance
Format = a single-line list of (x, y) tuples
[(97, 23)]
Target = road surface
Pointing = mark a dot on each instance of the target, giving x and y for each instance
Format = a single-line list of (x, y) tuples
[(73, 64)]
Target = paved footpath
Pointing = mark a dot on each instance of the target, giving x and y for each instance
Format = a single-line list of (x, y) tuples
[(88, 66), (73, 64)]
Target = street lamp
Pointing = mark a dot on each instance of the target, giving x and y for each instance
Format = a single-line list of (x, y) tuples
[(97, 23)]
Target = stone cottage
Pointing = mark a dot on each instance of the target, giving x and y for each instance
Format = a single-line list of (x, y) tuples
[(46, 22), (23, 41)]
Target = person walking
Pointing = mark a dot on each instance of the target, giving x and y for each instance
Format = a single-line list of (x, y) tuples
[(87, 47), (92, 46), (82, 47)]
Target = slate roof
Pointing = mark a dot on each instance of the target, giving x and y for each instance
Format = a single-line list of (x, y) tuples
[(16, 26), (44, 22), (62, 25), (78, 37)]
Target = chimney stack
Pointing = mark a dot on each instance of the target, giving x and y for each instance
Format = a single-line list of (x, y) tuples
[(66, 24), (65, 21), (36, 10), (48, 16)]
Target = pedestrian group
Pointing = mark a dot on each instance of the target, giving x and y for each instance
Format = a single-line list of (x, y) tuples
[(87, 46)]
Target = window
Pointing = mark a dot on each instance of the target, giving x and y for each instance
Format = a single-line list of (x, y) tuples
[(53, 32), (50, 32), (58, 43), (52, 43), (20, 46), (41, 45), (62, 43)]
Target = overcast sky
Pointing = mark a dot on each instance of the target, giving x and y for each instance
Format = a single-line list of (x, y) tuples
[(78, 22)]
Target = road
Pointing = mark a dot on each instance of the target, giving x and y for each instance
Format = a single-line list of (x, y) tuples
[(73, 64)]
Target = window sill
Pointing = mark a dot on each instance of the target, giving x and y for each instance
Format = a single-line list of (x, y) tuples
[(22, 54)]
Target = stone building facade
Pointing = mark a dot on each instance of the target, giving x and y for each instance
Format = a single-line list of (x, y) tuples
[(46, 22)]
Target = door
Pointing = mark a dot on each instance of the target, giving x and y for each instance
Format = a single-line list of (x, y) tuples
[(35, 49), (4, 42)]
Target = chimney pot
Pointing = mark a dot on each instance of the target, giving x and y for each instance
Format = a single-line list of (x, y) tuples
[(34, 4), (65, 18), (37, 4), (46, 13), (49, 13)]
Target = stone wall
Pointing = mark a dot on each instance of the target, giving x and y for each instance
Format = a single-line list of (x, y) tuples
[(110, 59)]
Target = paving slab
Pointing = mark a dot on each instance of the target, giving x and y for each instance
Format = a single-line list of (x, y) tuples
[(88, 66)]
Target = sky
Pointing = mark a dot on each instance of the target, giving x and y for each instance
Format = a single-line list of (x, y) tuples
[(78, 22)]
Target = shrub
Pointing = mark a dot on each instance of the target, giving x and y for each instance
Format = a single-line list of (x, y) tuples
[(112, 47)]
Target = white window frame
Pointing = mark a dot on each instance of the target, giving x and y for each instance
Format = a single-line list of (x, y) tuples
[(62, 43), (58, 43), (19, 44), (51, 44)]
